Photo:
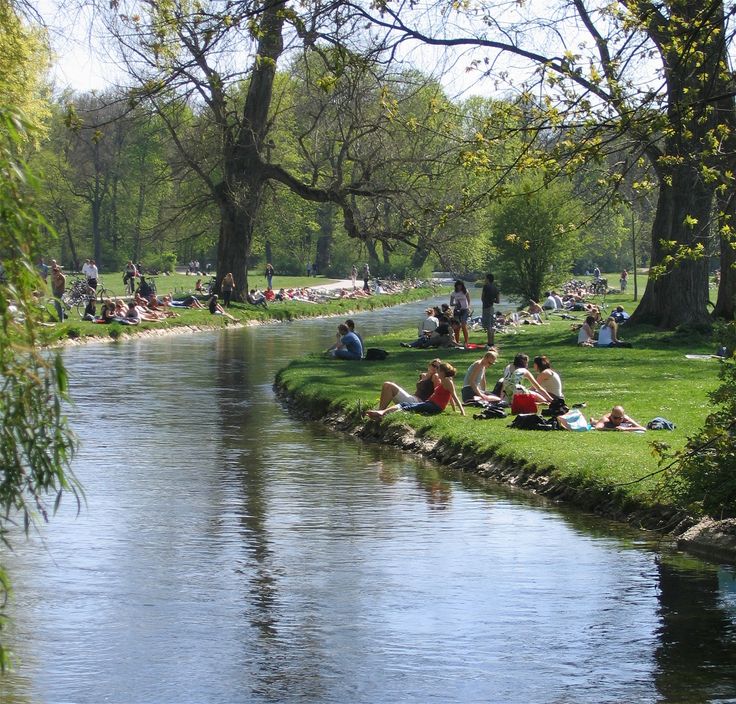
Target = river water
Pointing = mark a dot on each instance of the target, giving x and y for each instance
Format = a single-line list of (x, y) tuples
[(229, 553)]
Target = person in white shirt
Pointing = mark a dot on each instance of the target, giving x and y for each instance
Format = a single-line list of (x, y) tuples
[(91, 273), (558, 300), (549, 303), (430, 323)]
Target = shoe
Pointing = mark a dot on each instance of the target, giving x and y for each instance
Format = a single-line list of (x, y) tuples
[(579, 405), (404, 344)]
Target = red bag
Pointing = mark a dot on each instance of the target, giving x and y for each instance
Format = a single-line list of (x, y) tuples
[(523, 403)]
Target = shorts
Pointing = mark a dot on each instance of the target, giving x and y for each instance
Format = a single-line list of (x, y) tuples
[(467, 394), (402, 396), (425, 407), (486, 319), (462, 315)]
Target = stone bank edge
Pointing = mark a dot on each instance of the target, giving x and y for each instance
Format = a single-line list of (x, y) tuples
[(709, 538)]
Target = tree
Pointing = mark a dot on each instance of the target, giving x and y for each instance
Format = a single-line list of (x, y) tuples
[(534, 234), (655, 73), (35, 442)]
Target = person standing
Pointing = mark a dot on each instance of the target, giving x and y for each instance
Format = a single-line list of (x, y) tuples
[(624, 280), (366, 278), (228, 284), (309, 269), (354, 275), (129, 276), (92, 274), (489, 296), (58, 286), (269, 275)]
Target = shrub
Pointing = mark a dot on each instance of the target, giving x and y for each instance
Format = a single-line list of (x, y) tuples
[(702, 476)]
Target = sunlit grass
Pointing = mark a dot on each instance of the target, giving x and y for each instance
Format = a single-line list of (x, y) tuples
[(654, 378)]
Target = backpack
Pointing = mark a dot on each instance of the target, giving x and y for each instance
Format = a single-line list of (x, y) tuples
[(374, 354), (556, 408), (523, 403), (660, 424), (531, 421), (491, 410)]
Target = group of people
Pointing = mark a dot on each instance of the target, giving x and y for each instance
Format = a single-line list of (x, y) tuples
[(517, 388), (607, 330)]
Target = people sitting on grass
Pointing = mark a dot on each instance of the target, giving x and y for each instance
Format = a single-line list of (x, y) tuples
[(617, 420), (351, 326), (144, 288), (586, 333), (108, 312), (216, 309), (256, 298), (547, 377), (269, 295), (348, 346), (620, 315), (428, 380), (608, 335), (443, 394), (442, 338), (474, 383), (132, 316), (429, 324), (515, 393)]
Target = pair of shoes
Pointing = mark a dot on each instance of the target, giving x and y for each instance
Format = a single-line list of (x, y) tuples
[(404, 344)]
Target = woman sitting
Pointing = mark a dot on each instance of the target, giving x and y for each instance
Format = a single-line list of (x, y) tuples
[(521, 399), (443, 394), (474, 383), (608, 335), (216, 309), (548, 378), (616, 420), (586, 334), (428, 380)]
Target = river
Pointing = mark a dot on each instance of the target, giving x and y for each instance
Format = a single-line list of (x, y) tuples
[(229, 553)]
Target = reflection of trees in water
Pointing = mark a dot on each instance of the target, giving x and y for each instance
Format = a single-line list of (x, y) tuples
[(697, 640), (274, 669)]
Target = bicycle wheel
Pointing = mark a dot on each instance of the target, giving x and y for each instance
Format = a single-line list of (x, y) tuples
[(102, 293)]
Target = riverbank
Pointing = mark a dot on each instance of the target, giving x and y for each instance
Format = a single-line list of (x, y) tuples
[(76, 331), (613, 474)]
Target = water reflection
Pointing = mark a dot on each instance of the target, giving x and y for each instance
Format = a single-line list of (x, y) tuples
[(232, 554)]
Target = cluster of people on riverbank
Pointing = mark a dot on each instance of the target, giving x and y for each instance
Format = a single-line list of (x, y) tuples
[(517, 389)]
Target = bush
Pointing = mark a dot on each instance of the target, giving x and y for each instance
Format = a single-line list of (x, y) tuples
[(702, 476)]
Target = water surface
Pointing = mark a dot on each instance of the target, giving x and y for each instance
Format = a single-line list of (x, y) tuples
[(229, 553)]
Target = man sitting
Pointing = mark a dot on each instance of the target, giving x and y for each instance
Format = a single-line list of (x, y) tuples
[(349, 346), (620, 315), (256, 298)]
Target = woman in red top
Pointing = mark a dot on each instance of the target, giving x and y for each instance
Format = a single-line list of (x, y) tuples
[(444, 393)]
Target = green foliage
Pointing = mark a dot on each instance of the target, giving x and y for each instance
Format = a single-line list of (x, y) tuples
[(702, 476), (534, 235), (165, 261), (35, 441)]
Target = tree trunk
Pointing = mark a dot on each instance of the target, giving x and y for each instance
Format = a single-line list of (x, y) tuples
[(233, 247), (326, 220), (726, 302), (679, 295)]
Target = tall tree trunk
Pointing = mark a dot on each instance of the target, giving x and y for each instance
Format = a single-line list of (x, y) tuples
[(373, 260), (233, 247), (679, 295), (326, 220), (726, 302)]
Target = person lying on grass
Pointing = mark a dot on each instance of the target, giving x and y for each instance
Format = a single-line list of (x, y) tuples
[(443, 394), (428, 381), (474, 383), (616, 420)]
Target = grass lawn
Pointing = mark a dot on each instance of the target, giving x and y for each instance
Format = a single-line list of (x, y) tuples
[(652, 379)]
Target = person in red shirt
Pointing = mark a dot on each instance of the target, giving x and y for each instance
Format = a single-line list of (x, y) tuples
[(443, 394)]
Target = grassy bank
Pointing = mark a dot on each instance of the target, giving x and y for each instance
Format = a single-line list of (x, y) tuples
[(77, 329), (652, 379)]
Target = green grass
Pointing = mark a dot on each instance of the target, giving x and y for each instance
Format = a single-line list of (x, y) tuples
[(75, 328), (652, 379)]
